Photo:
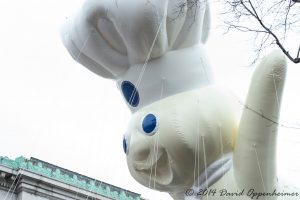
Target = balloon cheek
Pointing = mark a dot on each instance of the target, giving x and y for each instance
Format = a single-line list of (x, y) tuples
[(233, 138)]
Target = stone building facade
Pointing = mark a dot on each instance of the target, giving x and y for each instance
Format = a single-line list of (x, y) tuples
[(34, 179)]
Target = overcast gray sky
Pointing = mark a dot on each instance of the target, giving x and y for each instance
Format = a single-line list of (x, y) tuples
[(56, 110)]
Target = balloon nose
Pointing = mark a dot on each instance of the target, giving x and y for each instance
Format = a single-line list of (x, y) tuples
[(140, 148), (141, 153)]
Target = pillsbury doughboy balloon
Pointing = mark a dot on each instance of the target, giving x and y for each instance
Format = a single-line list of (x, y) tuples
[(185, 136)]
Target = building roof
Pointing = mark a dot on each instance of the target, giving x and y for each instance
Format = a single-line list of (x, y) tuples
[(66, 176)]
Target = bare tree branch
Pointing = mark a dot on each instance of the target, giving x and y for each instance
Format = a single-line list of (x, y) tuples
[(274, 31), (269, 23)]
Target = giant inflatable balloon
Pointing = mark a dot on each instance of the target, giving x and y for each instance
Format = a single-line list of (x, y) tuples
[(185, 136)]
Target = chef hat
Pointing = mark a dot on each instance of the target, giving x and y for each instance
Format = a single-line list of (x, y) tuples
[(152, 48)]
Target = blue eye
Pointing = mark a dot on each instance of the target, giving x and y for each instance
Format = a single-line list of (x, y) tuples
[(125, 146), (149, 124), (130, 93)]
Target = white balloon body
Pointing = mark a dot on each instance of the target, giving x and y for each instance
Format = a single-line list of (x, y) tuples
[(189, 125), (186, 134), (197, 128)]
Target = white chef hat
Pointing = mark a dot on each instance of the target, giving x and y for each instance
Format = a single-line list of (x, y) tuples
[(152, 48)]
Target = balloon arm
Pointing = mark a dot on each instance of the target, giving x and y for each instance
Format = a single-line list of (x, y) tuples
[(255, 152)]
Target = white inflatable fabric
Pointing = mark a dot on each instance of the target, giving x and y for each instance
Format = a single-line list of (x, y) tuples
[(194, 132), (144, 45), (186, 140), (185, 136)]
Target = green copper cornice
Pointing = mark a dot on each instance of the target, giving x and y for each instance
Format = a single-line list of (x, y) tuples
[(68, 177)]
